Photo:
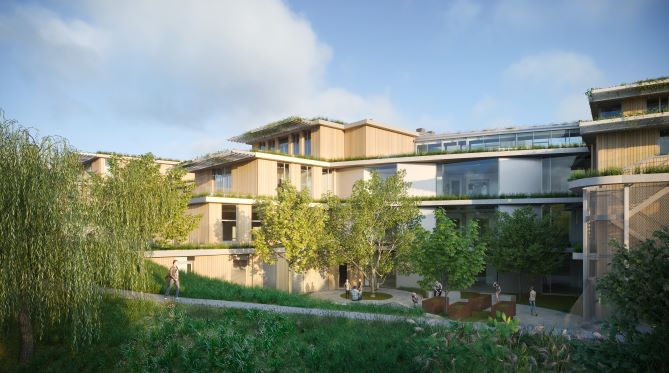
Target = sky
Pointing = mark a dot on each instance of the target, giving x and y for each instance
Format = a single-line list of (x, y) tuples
[(178, 78)]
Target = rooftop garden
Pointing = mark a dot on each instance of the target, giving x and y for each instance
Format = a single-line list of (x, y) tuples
[(630, 114), (272, 127), (418, 154), (103, 152), (584, 174)]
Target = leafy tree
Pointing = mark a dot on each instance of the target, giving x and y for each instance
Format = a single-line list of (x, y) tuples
[(638, 283), (64, 235), (449, 254), (291, 222), (374, 230), (524, 243)]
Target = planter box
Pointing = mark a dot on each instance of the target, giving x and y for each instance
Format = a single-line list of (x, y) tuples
[(506, 307), (480, 302), (436, 305), (459, 310)]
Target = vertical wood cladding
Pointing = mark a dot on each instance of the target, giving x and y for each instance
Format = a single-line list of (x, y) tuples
[(626, 148)]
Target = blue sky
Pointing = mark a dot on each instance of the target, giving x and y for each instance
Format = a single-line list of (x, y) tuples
[(178, 78)]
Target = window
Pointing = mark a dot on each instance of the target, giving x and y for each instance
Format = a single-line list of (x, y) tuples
[(657, 104), (559, 138), (229, 219), (476, 143), (255, 218), (451, 146), (610, 111), (491, 142), (283, 145), (524, 140), (305, 177), (575, 136), (384, 171), (240, 261), (555, 173), (261, 145), (222, 179), (190, 264), (296, 144), (507, 141), (663, 142), (271, 145), (434, 148), (422, 148), (327, 180), (282, 173), (479, 177), (307, 142), (541, 139)]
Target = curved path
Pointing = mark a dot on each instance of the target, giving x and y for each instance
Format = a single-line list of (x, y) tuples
[(526, 321)]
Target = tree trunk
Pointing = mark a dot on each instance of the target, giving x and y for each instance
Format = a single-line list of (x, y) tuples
[(26, 330)]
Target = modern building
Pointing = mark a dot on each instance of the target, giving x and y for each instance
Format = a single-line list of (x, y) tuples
[(471, 175), (628, 137)]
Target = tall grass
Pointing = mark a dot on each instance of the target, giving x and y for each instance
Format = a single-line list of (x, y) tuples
[(582, 174), (196, 286)]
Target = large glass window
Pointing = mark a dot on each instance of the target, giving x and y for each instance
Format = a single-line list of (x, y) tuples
[(261, 145), (271, 145), (610, 111), (575, 136), (384, 171), (421, 148), (222, 179), (491, 142), (434, 147), (305, 177), (451, 146), (296, 143), (657, 104), (327, 181), (663, 142), (307, 142), (476, 143), (229, 219), (559, 138), (541, 139), (283, 145), (480, 177), (555, 173), (507, 141), (282, 173), (524, 140)]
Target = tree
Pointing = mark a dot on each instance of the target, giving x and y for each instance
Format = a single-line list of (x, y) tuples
[(374, 230), (638, 283), (292, 222), (65, 235), (449, 254), (524, 243)]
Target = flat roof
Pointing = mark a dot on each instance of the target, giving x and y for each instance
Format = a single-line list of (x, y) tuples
[(496, 131)]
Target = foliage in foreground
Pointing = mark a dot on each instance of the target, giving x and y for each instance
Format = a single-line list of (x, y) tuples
[(168, 337), (196, 286), (449, 254)]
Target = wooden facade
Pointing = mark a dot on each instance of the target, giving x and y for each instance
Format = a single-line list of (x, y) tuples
[(327, 143), (634, 106), (620, 149)]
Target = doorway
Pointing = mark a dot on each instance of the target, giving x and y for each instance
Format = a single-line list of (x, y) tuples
[(343, 274)]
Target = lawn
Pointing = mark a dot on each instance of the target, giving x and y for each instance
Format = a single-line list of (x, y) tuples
[(196, 286), (138, 336)]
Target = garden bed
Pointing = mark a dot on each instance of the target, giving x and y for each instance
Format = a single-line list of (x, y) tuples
[(506, 307), (459, 311), (435, 305), (479, 302)]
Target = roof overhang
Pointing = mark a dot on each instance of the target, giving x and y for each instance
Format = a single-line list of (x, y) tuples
[(622, 91), (218, 159), (637, 122)]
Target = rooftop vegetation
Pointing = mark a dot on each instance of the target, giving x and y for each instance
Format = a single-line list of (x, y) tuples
[(272, 127), (583, 174), (104, 152), (631, 114), (416, 154)]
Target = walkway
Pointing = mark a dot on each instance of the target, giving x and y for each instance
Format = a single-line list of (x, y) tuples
[(430, 319)]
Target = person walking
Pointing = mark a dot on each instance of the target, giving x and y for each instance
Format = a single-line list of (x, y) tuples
[(498, 291), (347, 286), (533, 302), (414, 299), (172, 279)]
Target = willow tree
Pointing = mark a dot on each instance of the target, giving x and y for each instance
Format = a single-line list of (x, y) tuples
[(65, 234), (292, 223), (46, 274), (374, 230)]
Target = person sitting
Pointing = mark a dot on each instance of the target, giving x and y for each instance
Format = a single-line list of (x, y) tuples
[(355, 294), (438, 289)]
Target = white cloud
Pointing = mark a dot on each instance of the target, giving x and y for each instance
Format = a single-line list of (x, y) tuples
[(233, 63), (555, 69)]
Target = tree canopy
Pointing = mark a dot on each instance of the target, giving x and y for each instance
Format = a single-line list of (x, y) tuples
[(449, 254), (291, 222), (524, 243), (65, 234), (374, 230)]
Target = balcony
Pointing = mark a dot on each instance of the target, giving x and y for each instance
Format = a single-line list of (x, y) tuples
[(639, 120)]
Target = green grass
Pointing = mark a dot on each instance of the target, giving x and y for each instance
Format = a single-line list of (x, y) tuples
[(368, 296), (562, 303), (582, 174), (196, 286), (138, 336)]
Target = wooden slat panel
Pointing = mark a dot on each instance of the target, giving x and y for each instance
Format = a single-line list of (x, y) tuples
[(203, 182), (266, 177), (625, 148), (354, 142), (634, 106), (245, 178), (201, 233)]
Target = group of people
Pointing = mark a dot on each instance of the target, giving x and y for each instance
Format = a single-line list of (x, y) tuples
[(355, 292)]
